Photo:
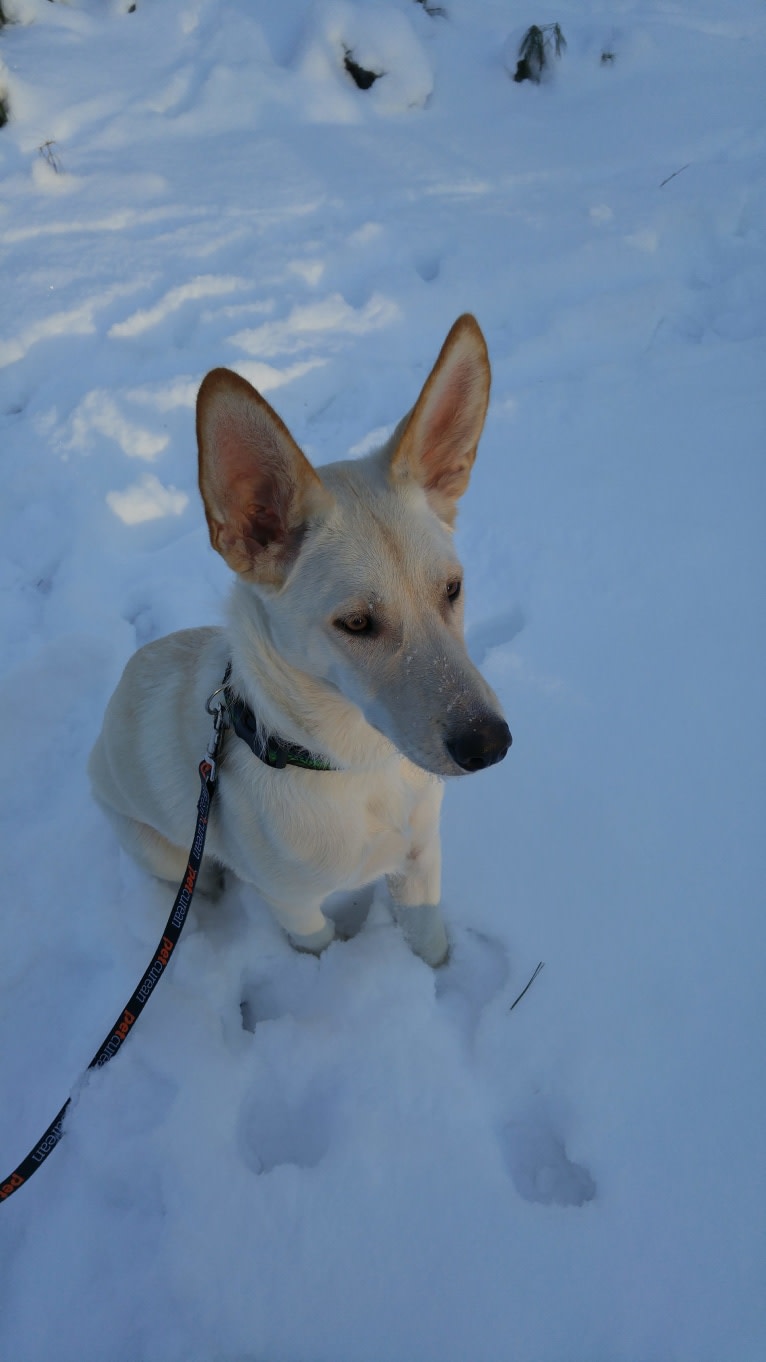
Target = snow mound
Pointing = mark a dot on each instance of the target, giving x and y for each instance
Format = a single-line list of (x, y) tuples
[(379, 40)]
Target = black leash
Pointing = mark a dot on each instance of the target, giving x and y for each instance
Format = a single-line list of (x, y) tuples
[(208, 772)]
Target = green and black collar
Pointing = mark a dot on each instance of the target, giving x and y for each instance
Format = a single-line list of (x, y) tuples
[(269, 748)]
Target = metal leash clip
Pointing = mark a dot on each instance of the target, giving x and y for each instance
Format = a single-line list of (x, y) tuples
[(219, 711)]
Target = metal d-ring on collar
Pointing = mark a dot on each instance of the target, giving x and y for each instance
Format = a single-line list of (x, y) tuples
[(269, 748)]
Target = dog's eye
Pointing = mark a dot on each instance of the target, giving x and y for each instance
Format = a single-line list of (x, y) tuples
[(355, 624), (453, 589)]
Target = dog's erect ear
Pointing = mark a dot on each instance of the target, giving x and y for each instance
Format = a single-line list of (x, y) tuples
[(439, 438), (258, 488)]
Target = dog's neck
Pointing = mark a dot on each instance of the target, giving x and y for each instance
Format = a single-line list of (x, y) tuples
[(291, 704)]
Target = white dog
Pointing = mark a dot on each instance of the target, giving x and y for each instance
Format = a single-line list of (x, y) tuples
[(350, 691)]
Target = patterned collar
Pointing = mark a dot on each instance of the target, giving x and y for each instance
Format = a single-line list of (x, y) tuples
[(270, 749)]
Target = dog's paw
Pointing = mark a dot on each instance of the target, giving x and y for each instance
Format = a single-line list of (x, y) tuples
[(313, 942), (424, 931)]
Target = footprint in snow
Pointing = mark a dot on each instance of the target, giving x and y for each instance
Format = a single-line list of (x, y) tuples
[(282, 988), (538, 1162), (280, 1127), (477, 970), (534, 1151), (289, 1116), (285, 986)]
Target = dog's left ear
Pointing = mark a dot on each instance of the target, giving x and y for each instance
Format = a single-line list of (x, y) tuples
[(440, 436)]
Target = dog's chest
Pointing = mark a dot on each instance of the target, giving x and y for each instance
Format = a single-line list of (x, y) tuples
[(333, 830), (378, 824), (367, 820)]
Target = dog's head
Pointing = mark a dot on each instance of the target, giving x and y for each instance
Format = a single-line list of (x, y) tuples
[(356, 567)]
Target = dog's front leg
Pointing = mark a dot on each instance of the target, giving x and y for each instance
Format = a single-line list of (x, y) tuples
[(416, 888), (306, 926)]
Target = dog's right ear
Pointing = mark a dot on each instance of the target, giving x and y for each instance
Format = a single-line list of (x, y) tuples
[(259, 490)]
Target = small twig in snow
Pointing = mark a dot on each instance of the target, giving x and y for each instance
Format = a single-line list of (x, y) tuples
[(529, 985), (673, 176), (49, 155)]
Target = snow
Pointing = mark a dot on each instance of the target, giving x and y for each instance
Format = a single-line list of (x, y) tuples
[(295, 1160)]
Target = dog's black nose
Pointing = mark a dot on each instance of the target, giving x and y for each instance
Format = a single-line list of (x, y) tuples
[(482, 745)]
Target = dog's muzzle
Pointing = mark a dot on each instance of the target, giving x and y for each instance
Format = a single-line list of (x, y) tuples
[(483, 744)]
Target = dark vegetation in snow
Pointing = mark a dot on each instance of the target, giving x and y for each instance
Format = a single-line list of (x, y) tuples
[(363, 78), (535, 51)]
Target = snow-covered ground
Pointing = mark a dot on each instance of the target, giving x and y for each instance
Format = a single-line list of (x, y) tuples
[(355, 1159)]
